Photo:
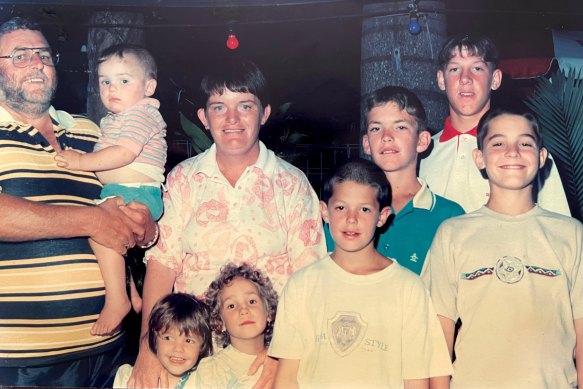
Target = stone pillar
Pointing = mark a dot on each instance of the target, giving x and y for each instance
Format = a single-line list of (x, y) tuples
[(107, 29), (393, 56)]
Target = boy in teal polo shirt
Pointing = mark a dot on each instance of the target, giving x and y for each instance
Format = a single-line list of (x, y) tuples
[(396, 132)]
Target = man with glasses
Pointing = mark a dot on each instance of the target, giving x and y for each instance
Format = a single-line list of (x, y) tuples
[(22, 57), (51, 289)]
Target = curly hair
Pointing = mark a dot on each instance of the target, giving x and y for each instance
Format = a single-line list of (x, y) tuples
[(228, 273), (188, 314)]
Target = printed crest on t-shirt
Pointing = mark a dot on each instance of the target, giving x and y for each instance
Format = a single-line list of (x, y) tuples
[(346, 331)]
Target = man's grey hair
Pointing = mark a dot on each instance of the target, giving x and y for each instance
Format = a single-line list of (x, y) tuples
[(18, 23)]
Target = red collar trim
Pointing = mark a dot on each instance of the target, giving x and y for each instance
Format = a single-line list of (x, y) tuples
[(450, 132)]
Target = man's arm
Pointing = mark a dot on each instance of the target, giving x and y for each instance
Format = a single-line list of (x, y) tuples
[(109, 158), (23, 220), (286, 376), (579, 351), (148, 372)]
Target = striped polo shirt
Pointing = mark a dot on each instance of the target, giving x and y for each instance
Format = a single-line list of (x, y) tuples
[(51, 291)]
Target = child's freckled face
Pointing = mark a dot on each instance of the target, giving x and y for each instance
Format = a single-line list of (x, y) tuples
[(391, 138), (510, 153), (353, 214), (243, 312)]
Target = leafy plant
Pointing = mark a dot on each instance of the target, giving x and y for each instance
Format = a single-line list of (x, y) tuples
[(558, 101), (199, 140)]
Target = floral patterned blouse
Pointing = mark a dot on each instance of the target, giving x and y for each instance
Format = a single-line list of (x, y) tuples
[(270, 219)]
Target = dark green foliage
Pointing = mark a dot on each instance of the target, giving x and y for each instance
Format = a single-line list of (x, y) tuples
[(558, 103)]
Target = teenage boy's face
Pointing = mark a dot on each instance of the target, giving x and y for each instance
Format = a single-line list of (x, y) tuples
[(392, 139), (353, 214), (468, 81), (177, 352), (510, 154), (123, 82), (234, 120)]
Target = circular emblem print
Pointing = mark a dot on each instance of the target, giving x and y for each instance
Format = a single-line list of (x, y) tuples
[(509, 269)]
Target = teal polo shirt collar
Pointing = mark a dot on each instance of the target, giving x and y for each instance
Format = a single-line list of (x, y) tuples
[(423, 199)]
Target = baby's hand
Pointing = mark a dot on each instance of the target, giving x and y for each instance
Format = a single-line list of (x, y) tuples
[(69, 159)]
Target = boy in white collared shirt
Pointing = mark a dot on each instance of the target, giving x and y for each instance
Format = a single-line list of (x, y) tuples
[(468, 74)]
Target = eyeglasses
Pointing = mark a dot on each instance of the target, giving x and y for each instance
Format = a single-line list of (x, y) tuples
[(22, 57)]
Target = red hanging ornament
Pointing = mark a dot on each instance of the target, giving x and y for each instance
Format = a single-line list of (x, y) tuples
[(232, 42)]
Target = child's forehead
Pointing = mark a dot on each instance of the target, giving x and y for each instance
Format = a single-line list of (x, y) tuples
[(238, 286), (129, 61), (510, 125), (390, 112), (466, 53), (170, 327), (348, 190), (177, 329)]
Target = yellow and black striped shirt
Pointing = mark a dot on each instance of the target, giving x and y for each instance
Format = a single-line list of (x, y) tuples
[(51, 291)]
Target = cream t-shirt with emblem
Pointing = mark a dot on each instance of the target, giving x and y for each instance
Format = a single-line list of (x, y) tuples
[(516, 283), (358, 331)]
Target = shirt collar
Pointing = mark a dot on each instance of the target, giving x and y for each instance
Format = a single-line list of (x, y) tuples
[(61, 118), (423, 199), (209, 167), (450, 132)]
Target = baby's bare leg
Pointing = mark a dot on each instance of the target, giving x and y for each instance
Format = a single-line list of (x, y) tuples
[(117, 303), (135, 297)]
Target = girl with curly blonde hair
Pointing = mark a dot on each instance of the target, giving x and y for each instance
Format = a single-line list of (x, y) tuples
[(243, 305)]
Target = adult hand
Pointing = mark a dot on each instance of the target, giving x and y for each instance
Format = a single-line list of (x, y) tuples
[(111, 227), (144, 227), (148, 372), (267, 377)]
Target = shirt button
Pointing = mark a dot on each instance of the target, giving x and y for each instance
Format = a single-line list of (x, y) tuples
[(462, 156)]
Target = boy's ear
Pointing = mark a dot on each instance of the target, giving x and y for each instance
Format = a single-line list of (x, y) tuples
[(496, 79), (440, 80), (266, 113), (543, 156), (383, 216), (151, 85), (201, 113), (365, 144), (324, 211), (478, 158), (423, 141)]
